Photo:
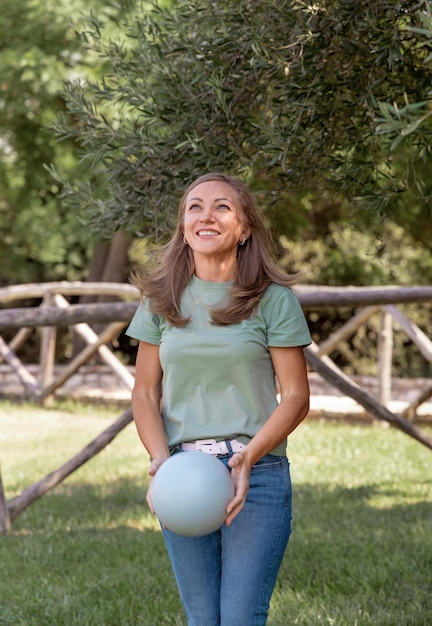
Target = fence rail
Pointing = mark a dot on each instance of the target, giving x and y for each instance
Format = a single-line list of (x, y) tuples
[(56, 310)]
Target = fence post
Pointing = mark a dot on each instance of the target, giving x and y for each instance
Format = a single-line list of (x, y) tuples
[(5, 523), (47, 351), (385, 357)]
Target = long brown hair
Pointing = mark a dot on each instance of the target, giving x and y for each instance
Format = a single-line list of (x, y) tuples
[(256, 265)]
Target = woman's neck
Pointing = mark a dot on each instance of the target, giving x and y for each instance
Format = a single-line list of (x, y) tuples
[(215, 271)]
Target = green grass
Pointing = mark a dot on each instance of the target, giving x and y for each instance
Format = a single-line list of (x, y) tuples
[(89, 553)]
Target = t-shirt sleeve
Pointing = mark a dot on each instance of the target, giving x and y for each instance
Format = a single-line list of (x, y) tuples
[(145, 325), (286, 322)]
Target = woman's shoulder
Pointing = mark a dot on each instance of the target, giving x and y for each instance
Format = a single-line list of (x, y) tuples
[(284, 318), (275, 291), (278, 301)]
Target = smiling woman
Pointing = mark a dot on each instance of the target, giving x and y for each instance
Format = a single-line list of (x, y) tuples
[(214, 226), (217, 323), (255, 267)]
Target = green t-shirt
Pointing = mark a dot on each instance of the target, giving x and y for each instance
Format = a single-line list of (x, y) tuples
[(218, 381)]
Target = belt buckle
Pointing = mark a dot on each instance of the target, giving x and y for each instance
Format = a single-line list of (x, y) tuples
[(205, 445), (204, 442)]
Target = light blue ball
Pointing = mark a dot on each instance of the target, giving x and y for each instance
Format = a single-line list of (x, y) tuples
[(190, 492)]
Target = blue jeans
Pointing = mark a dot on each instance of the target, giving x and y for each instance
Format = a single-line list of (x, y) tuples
[(227, 578)]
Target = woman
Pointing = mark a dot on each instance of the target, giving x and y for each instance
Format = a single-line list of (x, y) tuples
[(218, 322)]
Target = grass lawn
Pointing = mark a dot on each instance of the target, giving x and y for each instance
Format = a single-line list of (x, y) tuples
[(89, 553)]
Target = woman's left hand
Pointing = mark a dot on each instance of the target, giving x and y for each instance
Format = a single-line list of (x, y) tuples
[(240, 472)]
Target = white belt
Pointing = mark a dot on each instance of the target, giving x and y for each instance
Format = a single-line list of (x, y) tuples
[(211, 446)]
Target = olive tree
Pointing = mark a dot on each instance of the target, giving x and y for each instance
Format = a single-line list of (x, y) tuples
[(291, 95)]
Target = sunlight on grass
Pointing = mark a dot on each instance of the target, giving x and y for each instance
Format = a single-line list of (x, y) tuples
[(90, 553)]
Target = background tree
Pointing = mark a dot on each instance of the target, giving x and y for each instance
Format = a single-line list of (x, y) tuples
[(292, 96), (40, 237), (303, 99), (287, 94)]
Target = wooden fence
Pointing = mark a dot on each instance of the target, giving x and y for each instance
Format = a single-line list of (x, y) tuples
[(56, 310)]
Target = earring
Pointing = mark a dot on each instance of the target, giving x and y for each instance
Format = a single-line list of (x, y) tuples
[(185, 240), (242, 241)]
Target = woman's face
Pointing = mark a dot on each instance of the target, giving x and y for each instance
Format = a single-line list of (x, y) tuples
[(213, 220)]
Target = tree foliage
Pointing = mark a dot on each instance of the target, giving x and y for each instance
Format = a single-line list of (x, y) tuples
[(324, 107), (40, 238), (321, 106), (291, 95)]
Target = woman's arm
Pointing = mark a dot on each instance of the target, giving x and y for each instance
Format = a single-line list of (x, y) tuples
[(290, 369), (146, 398)]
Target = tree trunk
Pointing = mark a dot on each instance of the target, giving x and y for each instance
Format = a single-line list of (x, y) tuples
[(96, 267), (117, 260), (109, 263)]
